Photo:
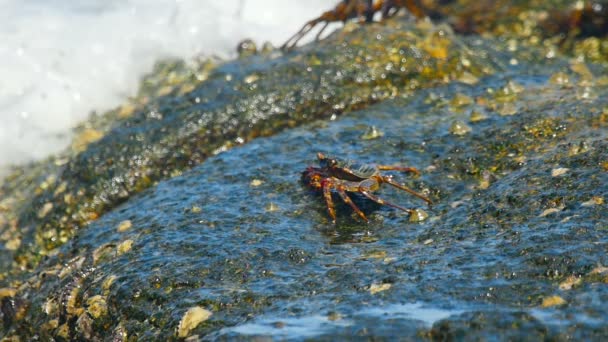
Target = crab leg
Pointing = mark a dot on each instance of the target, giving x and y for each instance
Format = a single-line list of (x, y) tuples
[(329, 202), (391, 7), (398, 168), (383, 202), (366, 186), (293, 41), (342, 192), (388, 180), (318, 36)]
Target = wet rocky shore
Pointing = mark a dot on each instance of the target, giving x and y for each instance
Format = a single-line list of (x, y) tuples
[(182, 213)]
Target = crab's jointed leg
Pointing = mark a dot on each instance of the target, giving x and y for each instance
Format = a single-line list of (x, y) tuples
[(341, 189), (327, 185), (366, 186), (389, 180), (398, 168), (391, 7)]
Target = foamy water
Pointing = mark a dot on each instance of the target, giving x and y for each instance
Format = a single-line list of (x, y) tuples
[(62, 59)]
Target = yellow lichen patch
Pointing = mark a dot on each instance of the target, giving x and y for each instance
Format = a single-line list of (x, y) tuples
[(569, 283), (375, 288), (553, 301), (50, 325), (63, 331), (124, 226), (507, 109), (7, 292), (124, 247), (126, 110), (72, 302), (97, 306), (599, 270), (166, 90), (477, 116), (192, 318), (102, 252), (186, 88), (436, 45), (46, 208), (105, 286), (581, 69), (61, 188), (468, 78), (87, 136), (459, 128), (559, 78), (334, 316), (74, 264), (461, 100), (13, 243)]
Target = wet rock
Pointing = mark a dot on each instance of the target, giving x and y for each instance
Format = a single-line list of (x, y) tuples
[(208, 178)]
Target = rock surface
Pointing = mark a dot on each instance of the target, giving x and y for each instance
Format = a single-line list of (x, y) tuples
[(190, 201)]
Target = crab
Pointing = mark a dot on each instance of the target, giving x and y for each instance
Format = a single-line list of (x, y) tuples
[(364, 10), (348, 176)]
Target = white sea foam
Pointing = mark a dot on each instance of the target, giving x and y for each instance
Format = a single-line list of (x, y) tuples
[(62, 59)]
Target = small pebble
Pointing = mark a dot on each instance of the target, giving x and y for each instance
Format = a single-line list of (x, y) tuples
[(256, 182), (559, 78), (191, 319), (559, 171), (270, 207), (372, 133), (549, 212), (569, 283), (552, 301), (46, 208), (477, 116), (418, 215), (596, 200), (375, 288), (461, 100), (246, 48), (507, 109), (124, 226), (459, 128)]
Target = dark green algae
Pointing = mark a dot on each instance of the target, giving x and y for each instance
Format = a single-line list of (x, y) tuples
[(240, 235)]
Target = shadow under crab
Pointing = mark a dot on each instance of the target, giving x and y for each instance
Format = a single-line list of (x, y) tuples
[(348, 176)]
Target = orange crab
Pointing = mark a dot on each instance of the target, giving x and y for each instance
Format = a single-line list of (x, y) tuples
[(363, 10), (347, 176)]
